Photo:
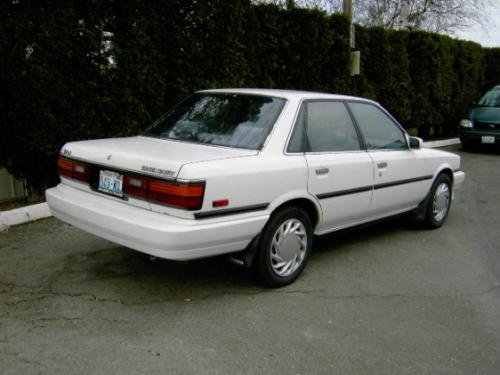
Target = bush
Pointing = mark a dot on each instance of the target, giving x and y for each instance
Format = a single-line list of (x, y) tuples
[(54, 86), (492, 68), (428, 79)]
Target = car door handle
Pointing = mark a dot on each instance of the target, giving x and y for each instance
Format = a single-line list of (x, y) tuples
[(320, 171), (382, 164)]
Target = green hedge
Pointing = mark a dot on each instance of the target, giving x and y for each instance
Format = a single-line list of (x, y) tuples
[(58, 83), (426, 80), (492, 68)]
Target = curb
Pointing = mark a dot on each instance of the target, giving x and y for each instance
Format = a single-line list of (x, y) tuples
[(39, 211), (23, 215), (442, 143)]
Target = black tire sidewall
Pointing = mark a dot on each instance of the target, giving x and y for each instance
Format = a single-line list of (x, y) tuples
[(262, 263), (467, 145)]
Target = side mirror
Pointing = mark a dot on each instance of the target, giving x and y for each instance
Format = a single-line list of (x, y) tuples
[(416, 143)]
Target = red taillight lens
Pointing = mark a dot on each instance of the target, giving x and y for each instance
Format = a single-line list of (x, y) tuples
[(72, 169), (189, 196), (64, 167), (81, 172), (181, 190), (135, 186), (184, 195)]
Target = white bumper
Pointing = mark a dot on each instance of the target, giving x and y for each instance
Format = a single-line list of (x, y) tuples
[(458, 179), (150, 232)]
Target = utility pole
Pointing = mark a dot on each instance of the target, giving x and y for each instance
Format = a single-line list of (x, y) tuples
[(355, 55), (404, 15), (347, 9)]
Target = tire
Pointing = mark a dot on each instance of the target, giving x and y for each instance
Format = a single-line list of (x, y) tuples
[(466, 145), (284, 247), (438, 202)]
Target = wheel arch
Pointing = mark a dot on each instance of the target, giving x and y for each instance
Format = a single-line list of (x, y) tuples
[(444, 169), (307, 203)]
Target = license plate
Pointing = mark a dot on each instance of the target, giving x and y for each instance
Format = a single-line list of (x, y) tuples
[(111, 183), (487, 139)]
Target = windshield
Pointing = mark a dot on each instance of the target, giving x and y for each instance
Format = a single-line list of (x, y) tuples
[(490, 99), (232, 120)]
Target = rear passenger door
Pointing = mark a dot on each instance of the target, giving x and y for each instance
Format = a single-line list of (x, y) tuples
[(400, 181), (340, 171)]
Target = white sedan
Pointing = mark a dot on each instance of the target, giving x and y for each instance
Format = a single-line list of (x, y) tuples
[(256, 173)]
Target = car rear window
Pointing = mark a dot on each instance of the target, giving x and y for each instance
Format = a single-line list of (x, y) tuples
[(232, 120)]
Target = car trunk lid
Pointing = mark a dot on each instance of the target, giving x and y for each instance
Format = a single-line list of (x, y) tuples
[(113, 162), (150, 156)]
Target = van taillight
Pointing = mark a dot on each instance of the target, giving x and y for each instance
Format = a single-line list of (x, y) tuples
[(73, 169), (183, 195)]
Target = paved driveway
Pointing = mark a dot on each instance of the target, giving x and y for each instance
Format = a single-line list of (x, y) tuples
[(387, 299)]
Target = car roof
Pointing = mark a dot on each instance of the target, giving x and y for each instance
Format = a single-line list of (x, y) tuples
[(287, 94)]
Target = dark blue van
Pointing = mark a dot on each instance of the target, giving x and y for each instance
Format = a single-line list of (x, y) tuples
[(482, 123)]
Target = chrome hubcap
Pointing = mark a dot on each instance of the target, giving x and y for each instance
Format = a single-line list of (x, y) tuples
[(288, 247), (441, 202)]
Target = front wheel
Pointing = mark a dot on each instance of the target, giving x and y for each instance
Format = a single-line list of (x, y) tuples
[(466, 145), (284, 247), (439, 202)]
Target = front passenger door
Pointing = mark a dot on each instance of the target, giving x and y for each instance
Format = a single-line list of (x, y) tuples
[(400, 181)]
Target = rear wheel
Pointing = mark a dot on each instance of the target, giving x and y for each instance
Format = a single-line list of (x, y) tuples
[(439, 202), (284, 247)]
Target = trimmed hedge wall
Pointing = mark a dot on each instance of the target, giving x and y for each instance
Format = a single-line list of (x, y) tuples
[(492, 68), (426, 80), (82, 70)]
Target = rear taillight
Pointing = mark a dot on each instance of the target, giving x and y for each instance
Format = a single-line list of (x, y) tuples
[(73, 169), (135, 186), (178, 194), (183, 195)]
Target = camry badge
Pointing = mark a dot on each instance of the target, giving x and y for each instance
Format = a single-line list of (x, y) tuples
[(160, 171)]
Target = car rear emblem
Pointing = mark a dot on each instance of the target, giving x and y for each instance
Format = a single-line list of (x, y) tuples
[(492, 126), (109, 157), (164, 172)]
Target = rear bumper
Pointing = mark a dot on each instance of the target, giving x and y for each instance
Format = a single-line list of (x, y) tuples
[(153, 233)]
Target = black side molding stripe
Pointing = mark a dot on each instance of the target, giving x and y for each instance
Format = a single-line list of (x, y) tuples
[(344, 192), (402, 182), (231, 211), (368, 188)]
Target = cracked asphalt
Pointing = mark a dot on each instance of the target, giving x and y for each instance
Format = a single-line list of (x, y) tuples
[(386, 299)]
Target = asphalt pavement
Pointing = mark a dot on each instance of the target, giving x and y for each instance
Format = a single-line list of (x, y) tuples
[(390, 298)]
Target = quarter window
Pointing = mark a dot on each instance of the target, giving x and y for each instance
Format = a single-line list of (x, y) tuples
[(298, 142), (378, 129)]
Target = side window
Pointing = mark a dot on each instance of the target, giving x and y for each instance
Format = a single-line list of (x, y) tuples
[(378, 129), (330, 128)]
